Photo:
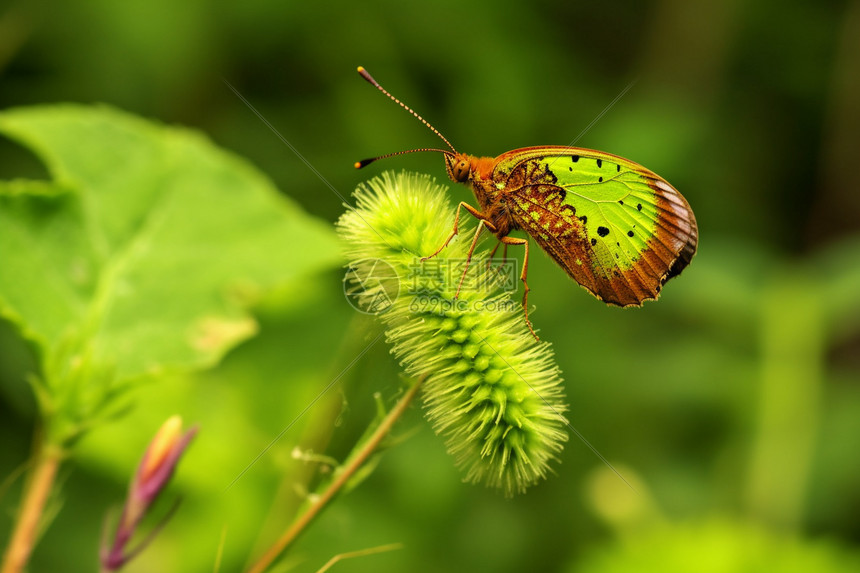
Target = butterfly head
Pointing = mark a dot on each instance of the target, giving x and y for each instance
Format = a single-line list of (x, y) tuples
[(459, 166)]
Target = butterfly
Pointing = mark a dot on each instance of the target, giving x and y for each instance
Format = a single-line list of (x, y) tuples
[(618, 229)]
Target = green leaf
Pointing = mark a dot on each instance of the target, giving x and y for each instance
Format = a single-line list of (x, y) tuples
[(144, 252)]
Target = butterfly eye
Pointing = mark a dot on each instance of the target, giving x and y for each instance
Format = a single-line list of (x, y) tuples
[(461, 170)]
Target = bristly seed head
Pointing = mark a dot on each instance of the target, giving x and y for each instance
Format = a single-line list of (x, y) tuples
[(492, 391)]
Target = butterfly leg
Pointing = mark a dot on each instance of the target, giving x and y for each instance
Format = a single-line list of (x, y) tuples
[(514, 241), (472, 211), (493, 254), (481, 224)]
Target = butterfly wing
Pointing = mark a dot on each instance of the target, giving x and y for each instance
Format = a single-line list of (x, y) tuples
[(618, 229)]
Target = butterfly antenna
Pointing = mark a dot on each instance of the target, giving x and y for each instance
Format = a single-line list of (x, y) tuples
[(375, 84), (366, 162)]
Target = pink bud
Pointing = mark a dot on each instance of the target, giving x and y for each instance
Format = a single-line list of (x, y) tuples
[(152, 475)]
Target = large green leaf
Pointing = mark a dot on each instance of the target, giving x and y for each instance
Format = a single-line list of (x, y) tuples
[(146, 248)]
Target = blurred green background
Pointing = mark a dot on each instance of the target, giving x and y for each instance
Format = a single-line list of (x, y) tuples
[(732, 405)]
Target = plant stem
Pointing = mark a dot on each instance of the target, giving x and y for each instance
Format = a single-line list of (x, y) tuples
[(793, 347), (360, 553), (36, 493), (299, 525)]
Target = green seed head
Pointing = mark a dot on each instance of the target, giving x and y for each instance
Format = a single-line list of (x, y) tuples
[(491, 390)]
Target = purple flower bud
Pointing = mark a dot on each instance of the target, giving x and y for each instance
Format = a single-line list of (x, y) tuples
[(152, 475)]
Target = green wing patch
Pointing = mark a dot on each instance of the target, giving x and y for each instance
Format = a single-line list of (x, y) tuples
[(618, 229), (617, 207)]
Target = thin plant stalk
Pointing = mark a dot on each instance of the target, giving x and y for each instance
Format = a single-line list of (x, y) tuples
[(360, 553), (349, 470), (36, 493)]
